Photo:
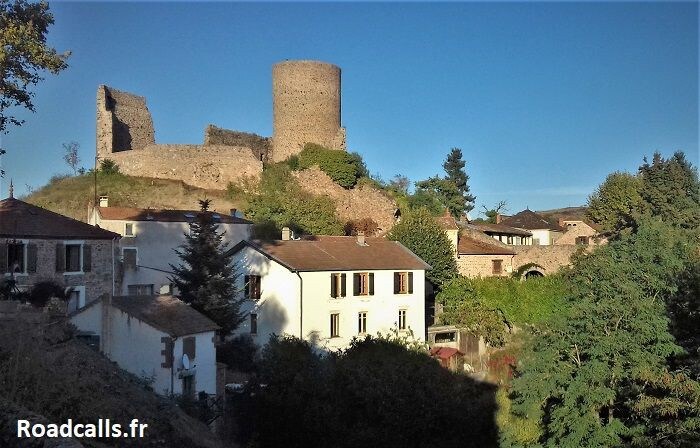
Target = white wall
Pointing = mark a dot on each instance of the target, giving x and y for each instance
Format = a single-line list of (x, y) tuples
[(278, 308), (546, 236), (155, 242)]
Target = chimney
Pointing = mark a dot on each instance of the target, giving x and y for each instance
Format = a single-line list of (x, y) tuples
[(286, 234), (104, 201), (361, 238), (499, 218), (233, 212)]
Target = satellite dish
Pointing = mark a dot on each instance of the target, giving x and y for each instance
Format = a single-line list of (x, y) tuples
[(185, 362)]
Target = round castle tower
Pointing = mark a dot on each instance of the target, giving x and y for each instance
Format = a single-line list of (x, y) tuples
[(306, 107)]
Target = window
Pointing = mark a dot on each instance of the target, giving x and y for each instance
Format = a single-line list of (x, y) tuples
[(130, 256), (335, 325), (73, 258), (253, 323), (403, 282), (362, 322), (140, 290), (363, 284), (402, 319), (497, 267), (129, 229), (252, 287), (441, 338), (509, 239), (338, 285), (16, 259), (76, 298), (582, 240)]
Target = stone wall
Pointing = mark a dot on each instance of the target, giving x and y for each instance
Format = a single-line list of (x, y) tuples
[(482, 265), (203, 166), (123, 122), (355, 203), (306, 107), (551, 258), (215, 136)]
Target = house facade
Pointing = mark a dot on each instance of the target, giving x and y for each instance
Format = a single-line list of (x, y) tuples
[(504, 234), (329, 289), (479, 258), (37, 245), (149, 239), (544, 231), (158, 338)]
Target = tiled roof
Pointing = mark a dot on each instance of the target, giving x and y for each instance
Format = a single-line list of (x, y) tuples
[(471, 246), (160, 215), (500, 229), (19, 219), (444, 352), (447, 221), (165, 313), (527, 219), (338, 253)]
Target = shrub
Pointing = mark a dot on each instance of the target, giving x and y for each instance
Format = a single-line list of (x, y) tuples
[(342, 167), (238, 353), (366, 225), (108, 166)]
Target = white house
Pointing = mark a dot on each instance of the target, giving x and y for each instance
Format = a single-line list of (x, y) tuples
[(544, 231), (328, 289), (158, 338), (149, 239)]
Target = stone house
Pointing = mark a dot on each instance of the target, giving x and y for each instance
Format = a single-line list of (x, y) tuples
[(329, 289), (478, 258), (149, 239), (39, 245), (581, 232), (158, 338), (504, 234)]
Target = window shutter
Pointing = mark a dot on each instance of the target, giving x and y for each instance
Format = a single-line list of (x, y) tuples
[(246, 287), (334, 286), (31, 257), (397, 282), (3, 257), (60, 257), (371, 283), (342, 285), (87, 258), (356, 284), (410, 282), (188, 347)]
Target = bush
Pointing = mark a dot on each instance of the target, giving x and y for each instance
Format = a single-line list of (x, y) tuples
[(366, 225), (342, 167), (108, 166), (238, 353)]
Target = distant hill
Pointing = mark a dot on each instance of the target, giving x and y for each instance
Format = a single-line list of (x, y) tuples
[(70, 196)]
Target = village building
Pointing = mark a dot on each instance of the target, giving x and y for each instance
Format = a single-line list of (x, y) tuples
[(544, 231), (149, 239), (503, 233), (158, 338), (37, 245), (479, 258), (330, 289), (580, 232)]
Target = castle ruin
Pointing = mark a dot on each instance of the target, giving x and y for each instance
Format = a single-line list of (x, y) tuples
[(306, 109)]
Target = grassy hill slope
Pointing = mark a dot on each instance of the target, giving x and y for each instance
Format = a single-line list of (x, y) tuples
[(70, 196)]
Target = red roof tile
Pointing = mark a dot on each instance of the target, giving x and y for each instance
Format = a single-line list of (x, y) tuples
[(338, 253), (471, 246), (19, 219), (444, 352), (161, 215), (447, 221)]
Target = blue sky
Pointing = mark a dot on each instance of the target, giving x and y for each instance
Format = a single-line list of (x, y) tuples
[(545, 99)]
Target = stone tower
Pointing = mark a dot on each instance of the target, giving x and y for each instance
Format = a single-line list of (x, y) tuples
[(306, 107), (123, 122)]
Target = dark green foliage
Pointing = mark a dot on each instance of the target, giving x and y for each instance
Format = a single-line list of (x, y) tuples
[(427, 200), (344, 168), (41, 292), (451, 191), (599, 375), (206, 278), (376, 393), (25, 55), (238, 353), (278, 201), (108, 167), (454, 167), (419, 232)]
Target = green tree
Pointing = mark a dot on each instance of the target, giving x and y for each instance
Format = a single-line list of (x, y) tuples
[(617, 202), (206, 278), (599, 375), (24, 55), (671, 189), (454, 167), (492, 213), (419, 232), (451, 191)]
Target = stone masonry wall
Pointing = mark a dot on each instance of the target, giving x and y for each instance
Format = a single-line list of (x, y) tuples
[(306, 107), (215, 136), (551, 258), (356, 203), (482, 265), (97, 282), (203, 166), (123, 122)]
